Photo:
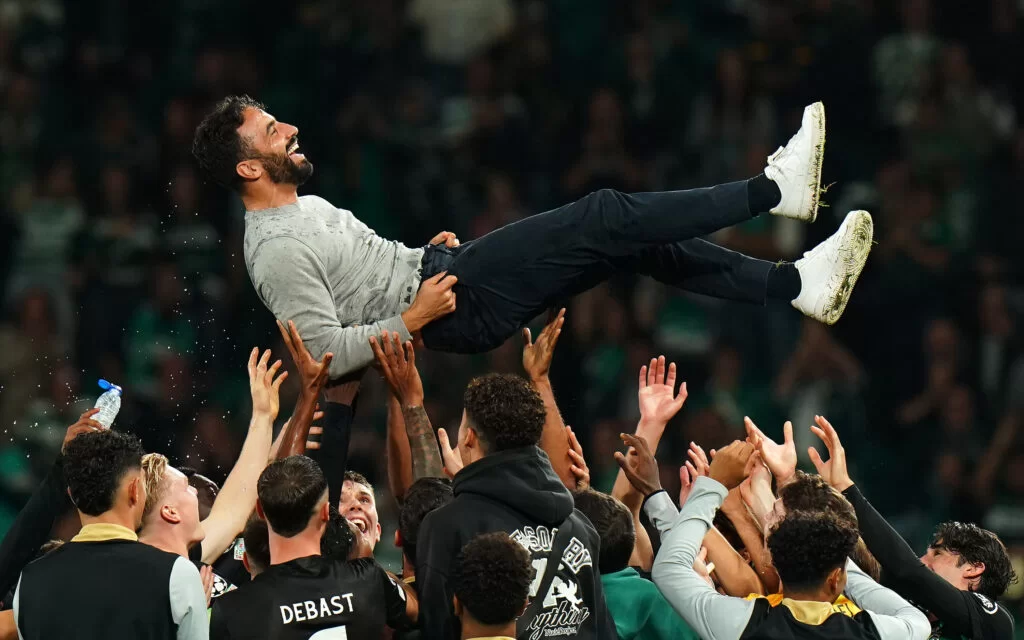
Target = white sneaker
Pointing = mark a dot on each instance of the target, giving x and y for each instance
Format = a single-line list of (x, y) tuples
[(829, 270), (796, 168)]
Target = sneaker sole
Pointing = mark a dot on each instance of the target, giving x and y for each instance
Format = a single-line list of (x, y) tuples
[(857, 238), (818, 132)]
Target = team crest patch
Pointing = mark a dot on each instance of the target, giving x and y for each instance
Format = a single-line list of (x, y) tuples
[(986, 604), (239, 549)]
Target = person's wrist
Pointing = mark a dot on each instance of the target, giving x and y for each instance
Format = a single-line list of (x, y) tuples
[(413, 320), (412, 400), (648, 428), (842, 485), (539, 377), (789, 478)]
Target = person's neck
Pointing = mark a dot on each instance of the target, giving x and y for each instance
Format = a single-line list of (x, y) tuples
[(817, 595), (473, 629), (408, 568), (164, 538), (269, 195), (122, 517), (302, 545)]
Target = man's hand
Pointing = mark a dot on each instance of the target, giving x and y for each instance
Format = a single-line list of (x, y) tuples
[(578, 465), (206, 574), (264, 388), (658, 401), (780, 458), (834, 471), (447, 238), (314, 374), (452, 458), (730, 463), (639, 465), (698, 464), (398, 365), (537, 355), (85, 424), (703, 568), (435, 299)]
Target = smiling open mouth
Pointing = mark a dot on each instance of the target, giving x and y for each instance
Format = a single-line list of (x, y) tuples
[(293, 148)]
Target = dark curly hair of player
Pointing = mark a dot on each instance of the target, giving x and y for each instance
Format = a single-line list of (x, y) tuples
[(94, 465), (217, 145), (808, 545), (614, 524), (423, 496), (338, 538), (505, 411), (975, 545), (491, 578), (811, 492), (289, 491)]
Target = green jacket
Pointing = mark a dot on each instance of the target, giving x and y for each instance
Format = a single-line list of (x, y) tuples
[(640, 611)]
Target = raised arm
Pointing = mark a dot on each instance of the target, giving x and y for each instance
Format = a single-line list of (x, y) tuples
[(537, 358), (659, 403), (312, 378), (31, 529), (398, 364), (894, 617), (331, 451), (901, 567), (399, 453), (237, 498), (712, 615)]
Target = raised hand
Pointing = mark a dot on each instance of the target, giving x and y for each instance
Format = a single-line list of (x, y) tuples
[(434, 300), (578, 465), (447, 238), (698, 464), (730, 464), (780, 458), (685, 484), (639, 464), (313, 374), (658, 401), (398, 365), (537, 355), (452, 457), (206, 575), (263, 386), (834, 471), (85, 424)]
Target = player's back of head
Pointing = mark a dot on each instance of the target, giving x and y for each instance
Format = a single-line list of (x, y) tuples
[(505, 411), (614, 524), (95, 464), (810, 548), (423, 496), (491, 580), (290, 492)]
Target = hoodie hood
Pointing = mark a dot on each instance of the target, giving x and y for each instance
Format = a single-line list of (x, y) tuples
[(521, 479)]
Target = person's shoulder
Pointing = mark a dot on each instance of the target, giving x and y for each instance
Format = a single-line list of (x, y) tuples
[(995, 619)]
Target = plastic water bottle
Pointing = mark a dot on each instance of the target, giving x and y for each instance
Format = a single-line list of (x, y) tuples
[(109, 404)]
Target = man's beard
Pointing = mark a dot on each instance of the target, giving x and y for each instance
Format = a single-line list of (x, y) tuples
[(281, 170)]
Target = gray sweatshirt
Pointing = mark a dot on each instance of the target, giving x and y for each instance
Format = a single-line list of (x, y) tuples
[(718, 617), (340, 282)]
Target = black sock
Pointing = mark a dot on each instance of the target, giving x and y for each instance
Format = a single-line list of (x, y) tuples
[(762, 194), (784, 281)]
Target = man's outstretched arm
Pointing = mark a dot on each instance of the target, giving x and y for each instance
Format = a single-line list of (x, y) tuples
[(292, 282), (537, 356), (237, 498)]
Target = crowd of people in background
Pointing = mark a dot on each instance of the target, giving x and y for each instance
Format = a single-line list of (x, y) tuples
[(122, 262)]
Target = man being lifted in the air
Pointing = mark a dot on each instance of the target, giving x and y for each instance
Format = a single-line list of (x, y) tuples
[(341, 283)]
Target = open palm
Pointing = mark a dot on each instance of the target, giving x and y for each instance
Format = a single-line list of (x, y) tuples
[(658, 401), (780, 458)]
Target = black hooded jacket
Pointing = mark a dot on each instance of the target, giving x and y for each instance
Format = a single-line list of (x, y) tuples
[(518, 492)]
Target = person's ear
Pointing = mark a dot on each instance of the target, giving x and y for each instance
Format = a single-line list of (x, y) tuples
[(522, 609), (170, 514), (133, 490), (458, 606), (973, 571), (398, 539), (259, 511), (249, 169), (836, 581), (325, 512), (472, 440)]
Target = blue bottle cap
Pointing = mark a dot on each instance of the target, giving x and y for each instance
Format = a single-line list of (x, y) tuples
[(104, 384)]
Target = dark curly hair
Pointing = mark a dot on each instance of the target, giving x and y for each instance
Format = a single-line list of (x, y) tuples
[(505, 411), (491, 578), (338, 539), (614, 524), (806, 546), (289, 491), (94, 465), (217, 145), (975, 545), (811, 492), (425, 495)]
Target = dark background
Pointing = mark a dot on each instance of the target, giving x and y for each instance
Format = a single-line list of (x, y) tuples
[(119, 260)]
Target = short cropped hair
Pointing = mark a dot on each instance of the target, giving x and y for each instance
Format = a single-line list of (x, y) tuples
[(491, 578), (154, 467), (505, 411), (217, 145), (614, 524), (256, 539), (289, 491), (423, 496), (94, 465), (975, 545), (808, 545), (358, 478)]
